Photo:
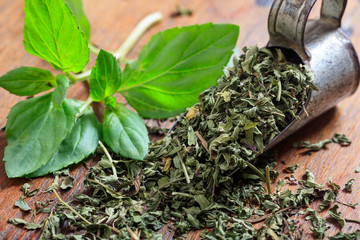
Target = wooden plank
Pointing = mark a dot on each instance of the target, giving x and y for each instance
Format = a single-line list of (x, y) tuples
[(111, 22)]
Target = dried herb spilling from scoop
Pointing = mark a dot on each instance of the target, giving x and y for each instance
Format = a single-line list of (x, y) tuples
[(206, 174)]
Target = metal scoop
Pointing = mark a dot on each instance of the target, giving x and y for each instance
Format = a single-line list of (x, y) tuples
[(323, 46)]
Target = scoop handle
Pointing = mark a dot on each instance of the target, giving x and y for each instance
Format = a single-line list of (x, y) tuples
[(287, 21)]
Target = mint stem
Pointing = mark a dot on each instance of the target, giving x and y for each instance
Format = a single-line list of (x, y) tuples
[(68, 206), (134, 36), (109, 157), (352, 220), (138, 31), (104, 186), (267, 176), (184, 169), (257, 171), (94, 49), (83, 107)]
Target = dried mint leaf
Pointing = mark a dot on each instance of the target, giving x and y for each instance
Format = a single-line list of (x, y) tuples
[(292, 169), (341, 139), (27, 225), (334, 214), (348, 185), (198, 176), (334, 186), (319, 225), (22, 204), (346, 236), (67, 183)]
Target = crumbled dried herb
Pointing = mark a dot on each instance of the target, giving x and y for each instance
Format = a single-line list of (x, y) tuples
[(312, 147), (341, 139), (334, 214), (207, 173), (334, 186), (180, 11), (27, 225), (22, 204), (67, 183), (319, 224), (348, 185), (292, 169), (346, 236)]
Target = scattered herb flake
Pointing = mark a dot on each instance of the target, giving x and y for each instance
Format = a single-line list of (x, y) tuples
[(292, 169), (22, 204), (334, 214), (348, 185)]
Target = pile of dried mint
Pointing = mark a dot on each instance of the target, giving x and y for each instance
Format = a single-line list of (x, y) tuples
[(205, 174)]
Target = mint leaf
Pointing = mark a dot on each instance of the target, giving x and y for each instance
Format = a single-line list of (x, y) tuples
[(79, 143), (105, 77), (110, 102), (26, 81), (337, 216), (176, 66), (125, 133), (34, 131), (22, 204), (28, 225), (59, 93), (51, 32), (76, 7)]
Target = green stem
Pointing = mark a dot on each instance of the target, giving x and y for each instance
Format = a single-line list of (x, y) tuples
[(82, 76), (109, 157), (167, 184), (138, 31), (352, 220), (257, 220), (74, 211), (182, 194), (83, 107), (218, 99), (104, 186), (268, 182), (68, 206), (94, 49), (134, 36), (184, 168), (257, 171)]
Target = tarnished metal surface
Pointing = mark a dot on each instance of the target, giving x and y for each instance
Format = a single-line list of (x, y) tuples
[(322, 45)]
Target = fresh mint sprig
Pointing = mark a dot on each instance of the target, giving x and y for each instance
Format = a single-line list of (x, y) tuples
[(49, 132)]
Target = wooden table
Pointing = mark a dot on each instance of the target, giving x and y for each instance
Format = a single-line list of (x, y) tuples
[(111, 22)]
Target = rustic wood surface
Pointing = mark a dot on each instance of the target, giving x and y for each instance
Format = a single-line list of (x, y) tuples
[(111, 22)]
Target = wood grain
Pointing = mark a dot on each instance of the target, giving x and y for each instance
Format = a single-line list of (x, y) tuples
[(111, 22)]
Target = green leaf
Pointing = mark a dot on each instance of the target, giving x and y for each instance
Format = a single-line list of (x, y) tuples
[(348, 185), (22, 204), (110, 102), (76, 7), (125, 133), (176, 66), (34, 131), (105, 77), (202, 201), (80, 143), (28, 225), (59, 93), (51, 32), (67, 183), (26, 81), (334, 214)]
